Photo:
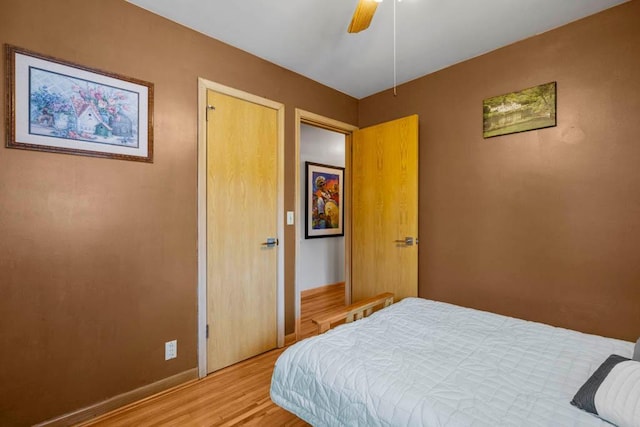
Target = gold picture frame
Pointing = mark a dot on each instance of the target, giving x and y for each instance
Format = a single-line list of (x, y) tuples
[(61, 107)]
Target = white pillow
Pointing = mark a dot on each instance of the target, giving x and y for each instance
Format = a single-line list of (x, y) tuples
[(613, 392)]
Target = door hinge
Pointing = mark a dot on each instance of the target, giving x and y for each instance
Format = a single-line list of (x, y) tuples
[(209, 108), (207, 332)]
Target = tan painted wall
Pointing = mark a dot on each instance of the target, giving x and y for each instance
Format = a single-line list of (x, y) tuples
[(98, 257), (543, 225)]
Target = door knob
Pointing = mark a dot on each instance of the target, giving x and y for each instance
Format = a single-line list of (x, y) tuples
[(408, 241), (271, 242)]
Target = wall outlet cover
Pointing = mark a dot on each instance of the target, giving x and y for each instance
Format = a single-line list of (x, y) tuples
[(170, 349)]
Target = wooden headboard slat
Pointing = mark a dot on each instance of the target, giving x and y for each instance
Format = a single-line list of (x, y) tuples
[(352, 312)]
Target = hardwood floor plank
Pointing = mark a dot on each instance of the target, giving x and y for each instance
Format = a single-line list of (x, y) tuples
[(237, 395)]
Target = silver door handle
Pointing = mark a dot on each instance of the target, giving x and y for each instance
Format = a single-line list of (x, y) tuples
[(271, 242), (407, 241)]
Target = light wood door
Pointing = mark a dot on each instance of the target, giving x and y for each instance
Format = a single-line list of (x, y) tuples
[(242, 156), (385, 209)]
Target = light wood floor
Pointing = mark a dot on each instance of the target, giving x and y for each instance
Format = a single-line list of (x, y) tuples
[(237, 395)]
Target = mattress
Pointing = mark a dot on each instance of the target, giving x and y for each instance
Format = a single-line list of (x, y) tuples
[(427, 363)]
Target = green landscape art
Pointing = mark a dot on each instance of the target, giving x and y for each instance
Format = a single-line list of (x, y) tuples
[(528, 109)]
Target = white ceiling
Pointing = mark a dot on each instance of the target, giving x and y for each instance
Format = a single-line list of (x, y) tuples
[(310, 36)]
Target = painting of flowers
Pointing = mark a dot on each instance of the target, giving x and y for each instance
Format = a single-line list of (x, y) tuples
[(63, 107)]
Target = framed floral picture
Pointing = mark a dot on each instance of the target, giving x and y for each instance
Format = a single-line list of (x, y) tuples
[(61, 107), (324, 201)]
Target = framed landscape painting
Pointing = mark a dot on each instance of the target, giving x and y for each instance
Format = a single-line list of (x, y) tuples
[(324, 201), (61, 107), (528, 109)]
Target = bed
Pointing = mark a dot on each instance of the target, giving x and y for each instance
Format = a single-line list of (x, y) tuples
[(426, 363)]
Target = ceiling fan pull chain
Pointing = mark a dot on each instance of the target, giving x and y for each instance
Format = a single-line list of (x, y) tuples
[(395, 75)]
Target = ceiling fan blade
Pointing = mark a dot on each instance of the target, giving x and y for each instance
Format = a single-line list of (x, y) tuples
[(362, 16)]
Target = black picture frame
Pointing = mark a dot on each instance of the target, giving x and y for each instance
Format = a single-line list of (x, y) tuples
[(324, 213)]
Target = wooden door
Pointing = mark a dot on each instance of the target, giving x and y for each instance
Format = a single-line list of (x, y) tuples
[(385, 209), (242, 189)]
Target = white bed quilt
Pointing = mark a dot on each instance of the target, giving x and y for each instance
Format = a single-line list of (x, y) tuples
[(426, 363)]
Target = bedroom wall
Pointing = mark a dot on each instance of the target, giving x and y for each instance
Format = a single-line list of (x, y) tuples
[(98, 256), (543, 225)]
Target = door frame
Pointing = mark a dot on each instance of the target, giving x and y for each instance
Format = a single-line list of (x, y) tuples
[(203, 86), (313, 119)]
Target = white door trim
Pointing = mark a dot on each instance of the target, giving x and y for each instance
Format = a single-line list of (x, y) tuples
[(302, 116), (203, 86)]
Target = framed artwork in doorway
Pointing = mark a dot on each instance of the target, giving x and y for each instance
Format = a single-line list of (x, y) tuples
[(324, 200), (62, 107)]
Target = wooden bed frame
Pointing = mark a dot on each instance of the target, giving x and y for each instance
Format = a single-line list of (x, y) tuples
[(352, 312)]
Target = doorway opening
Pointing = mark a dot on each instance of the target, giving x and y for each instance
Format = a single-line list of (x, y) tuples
[(320, 259), (320, 262)]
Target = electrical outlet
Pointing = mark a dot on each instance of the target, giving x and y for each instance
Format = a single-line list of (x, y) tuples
[(290, 218), (170, 349)]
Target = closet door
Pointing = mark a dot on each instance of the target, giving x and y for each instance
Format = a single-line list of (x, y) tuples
[(242, 207)]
